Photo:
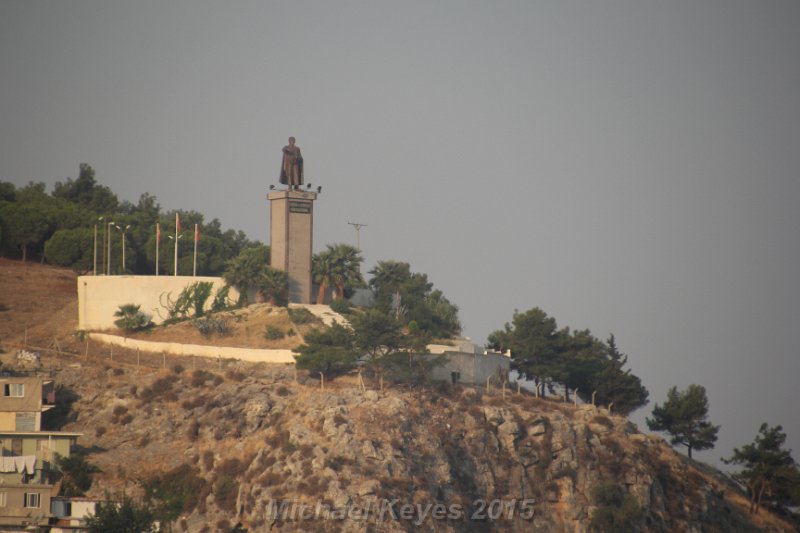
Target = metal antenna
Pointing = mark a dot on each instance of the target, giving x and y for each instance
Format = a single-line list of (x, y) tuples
[(358, 227)]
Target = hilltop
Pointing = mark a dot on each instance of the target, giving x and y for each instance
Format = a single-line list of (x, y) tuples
[(220, 441)]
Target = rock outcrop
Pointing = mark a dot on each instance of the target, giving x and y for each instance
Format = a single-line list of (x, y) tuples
[(268, 454)]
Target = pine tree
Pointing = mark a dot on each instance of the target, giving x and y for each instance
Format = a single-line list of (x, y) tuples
[(684, 416)]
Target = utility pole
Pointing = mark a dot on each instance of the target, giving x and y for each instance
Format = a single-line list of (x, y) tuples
[(358, 226)]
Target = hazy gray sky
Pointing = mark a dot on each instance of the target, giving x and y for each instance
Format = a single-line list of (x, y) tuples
[(627, 166)]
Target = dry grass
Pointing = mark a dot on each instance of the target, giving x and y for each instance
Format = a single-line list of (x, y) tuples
[(39, 298)]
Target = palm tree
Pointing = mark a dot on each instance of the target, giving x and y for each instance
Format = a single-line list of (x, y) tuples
[(245, 270), (273, 284), (321, 270), (345, 268), (389, 275)]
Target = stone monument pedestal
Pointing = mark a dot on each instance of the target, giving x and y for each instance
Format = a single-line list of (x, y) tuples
[(291, 239)]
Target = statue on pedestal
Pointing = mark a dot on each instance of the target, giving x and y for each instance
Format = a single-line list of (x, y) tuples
[(292, 165)]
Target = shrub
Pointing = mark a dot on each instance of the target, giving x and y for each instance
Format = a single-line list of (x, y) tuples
[(120, 410), (210, 325), (99, 431), (193, 431), (341, 306), (175, 492), (77, 474), (192, 298), (162, 385), (301, 315), (126, 515), (208, 459), (125, 420), (221, 301), (226, 489), (235, 375), (273, 333), (199, 378), (146, 394), (131, 318), (616, 510)]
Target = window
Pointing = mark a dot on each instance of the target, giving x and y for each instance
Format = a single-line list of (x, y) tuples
[(26, 422), (14, 390), (16, 446), (31, 500), (3, 498)]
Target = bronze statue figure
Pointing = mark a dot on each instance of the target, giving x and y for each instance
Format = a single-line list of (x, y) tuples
[(292, 165)]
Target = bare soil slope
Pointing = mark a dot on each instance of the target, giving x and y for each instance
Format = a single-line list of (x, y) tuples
[(38, 298), (39, 308)]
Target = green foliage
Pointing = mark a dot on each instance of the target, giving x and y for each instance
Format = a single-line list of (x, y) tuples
[(616, 385), (174, 492), (70, 248), (543, 353), (273, 284), (321, 270), (684, 416), (32, 222), (244, 270), (132, 318), (338, 265), (8, 191), (201, 291), (273, 333), (410, 366), (212, 325), (225, 492), (221, 299), (24, 226), (301, 315), (341, 306), (192, 298), (378, 335), (251, 270), (616, 511), (393, 283), (85, 192), (769, 472), (76, 473), (330, 351), (124, 517)]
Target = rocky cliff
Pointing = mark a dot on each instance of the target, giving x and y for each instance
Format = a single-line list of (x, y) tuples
[(251, 447)]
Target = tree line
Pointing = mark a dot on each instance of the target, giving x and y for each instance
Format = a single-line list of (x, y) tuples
[(59, 228)]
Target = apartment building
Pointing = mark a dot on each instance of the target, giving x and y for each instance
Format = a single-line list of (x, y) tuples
[(28, 453)]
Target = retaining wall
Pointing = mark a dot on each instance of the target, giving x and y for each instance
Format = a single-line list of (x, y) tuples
[(251, 355)]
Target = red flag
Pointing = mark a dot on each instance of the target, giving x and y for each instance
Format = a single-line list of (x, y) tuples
[(177, 223), (196, 233), (158, 232)]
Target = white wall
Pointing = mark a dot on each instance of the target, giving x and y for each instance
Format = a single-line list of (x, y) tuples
[(99, 297), (252, 355)]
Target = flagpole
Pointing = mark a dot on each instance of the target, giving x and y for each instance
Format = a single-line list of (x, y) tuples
[(158, 243), (194, 263), (177, 229)]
